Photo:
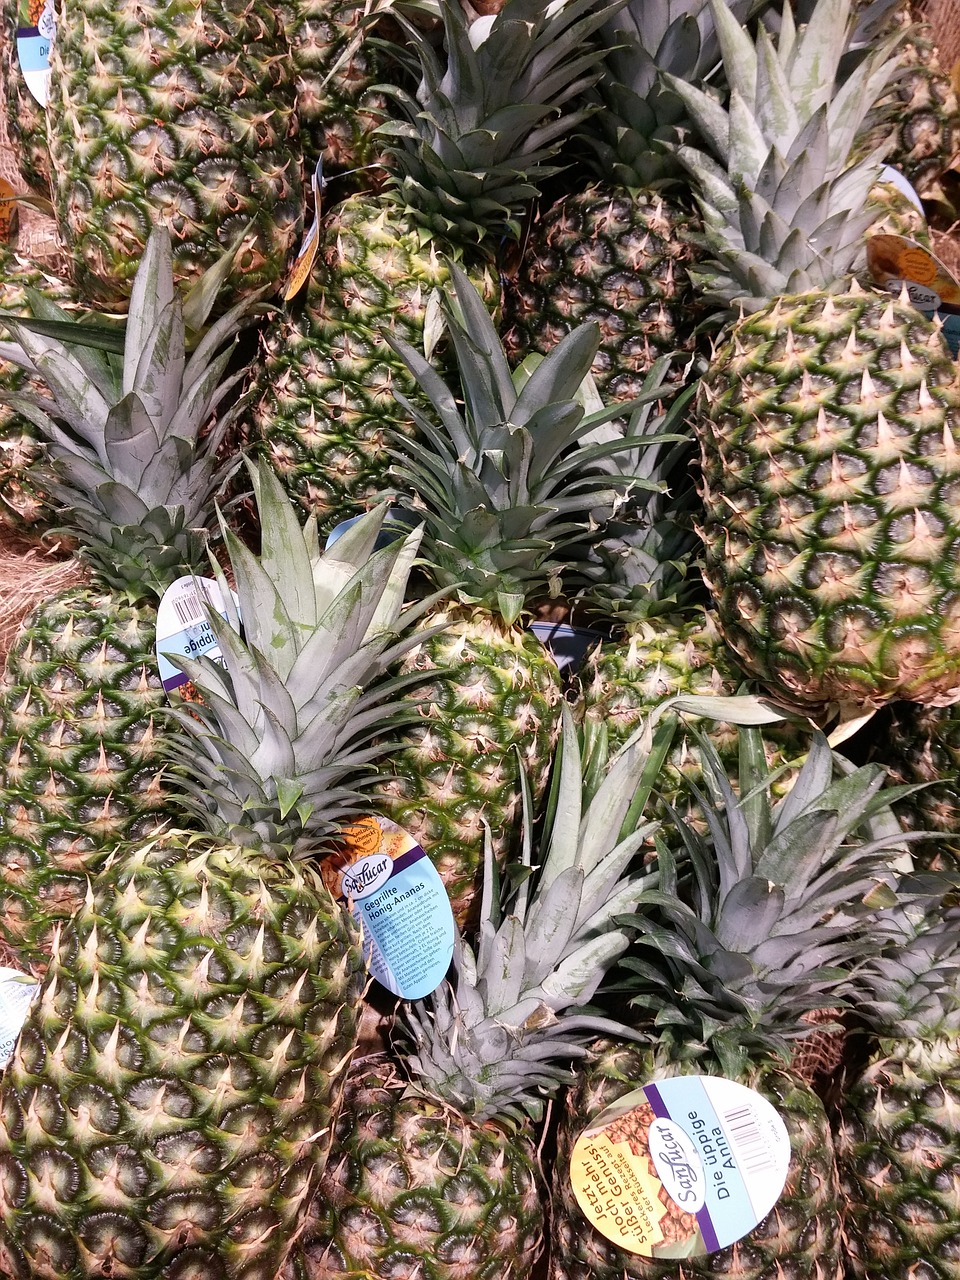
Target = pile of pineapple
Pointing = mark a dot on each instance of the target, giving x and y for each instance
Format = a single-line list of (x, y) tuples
[(589, 352)]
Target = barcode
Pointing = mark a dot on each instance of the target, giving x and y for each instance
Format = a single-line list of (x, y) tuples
[(190, 608), (751, 1148)]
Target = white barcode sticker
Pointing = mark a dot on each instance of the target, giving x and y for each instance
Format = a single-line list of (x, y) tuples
[(183, 627), (681, 1167)]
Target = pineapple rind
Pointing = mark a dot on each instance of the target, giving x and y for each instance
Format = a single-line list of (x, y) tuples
[(327, 406), (80, 738), (898, 1146), (830, 442), (202, 1004), (178, 114), (620, 259), (413, 1181), (801, 1232), (490, 712)]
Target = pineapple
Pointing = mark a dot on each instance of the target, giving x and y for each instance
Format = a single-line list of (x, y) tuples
[(24, 125), (466, 157), (507, 488), (741, 940), (922, 106), (338, 107), (182, 117), (435, 1163), (168, 1109), (898, 1139), (618, 252), (828, 417), (923, 747), (134, 473)]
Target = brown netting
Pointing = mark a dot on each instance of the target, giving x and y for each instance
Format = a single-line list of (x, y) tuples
[(944, 19), (29, 574)]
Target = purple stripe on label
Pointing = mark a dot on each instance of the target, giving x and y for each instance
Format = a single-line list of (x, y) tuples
[(706, 1230), (405, 859), (653, 1097), (174, 682)]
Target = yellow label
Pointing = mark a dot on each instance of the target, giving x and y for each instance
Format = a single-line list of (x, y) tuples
[(8, 211), (618, 1194), (892, 259)]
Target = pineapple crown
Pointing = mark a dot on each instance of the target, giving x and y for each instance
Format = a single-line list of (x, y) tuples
[(515, 480), (640, 113), (640, 566), (476, 141), (503, 1032), (911, 990), (783, 210), (132, 440), (760, 922), (280, 748)]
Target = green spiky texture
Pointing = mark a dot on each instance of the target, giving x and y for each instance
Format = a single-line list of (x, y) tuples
[(336, 71), (446, 1144), (25, 123), (132, 442), (201, 1008), (181, 118), (783, 206), (467, 155), (740, 940), (801, 1235), (898, 1139), (830, 438), (509, 489), (921, 108), (619, 252), (923, 747), (784, 890)]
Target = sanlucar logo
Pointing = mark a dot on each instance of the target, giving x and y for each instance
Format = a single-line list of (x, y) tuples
[(678, 1164), (367, 875)]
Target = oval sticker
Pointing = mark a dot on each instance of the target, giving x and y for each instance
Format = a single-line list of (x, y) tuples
[(681, 1167), (396, 895), (183, 629)]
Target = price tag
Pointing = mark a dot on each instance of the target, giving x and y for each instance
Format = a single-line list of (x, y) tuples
[(395, 893), (682, 1167), (36, 27), (183, 628), (17, 992), (897, 263)]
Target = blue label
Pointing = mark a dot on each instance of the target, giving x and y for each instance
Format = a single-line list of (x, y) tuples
[(396, 895)]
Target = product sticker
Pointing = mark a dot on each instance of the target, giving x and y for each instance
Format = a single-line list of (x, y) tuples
[(396, 895), (896, 262), (182, 628), (568, 646), (682, 1167), (17, 991), (303, 262), (36, 26)]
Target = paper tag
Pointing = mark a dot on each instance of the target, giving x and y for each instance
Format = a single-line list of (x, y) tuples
[(17, 991), (182, 628), (682, 1167), (395, 893), (303, 262), (896, 262), (35, 31)]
